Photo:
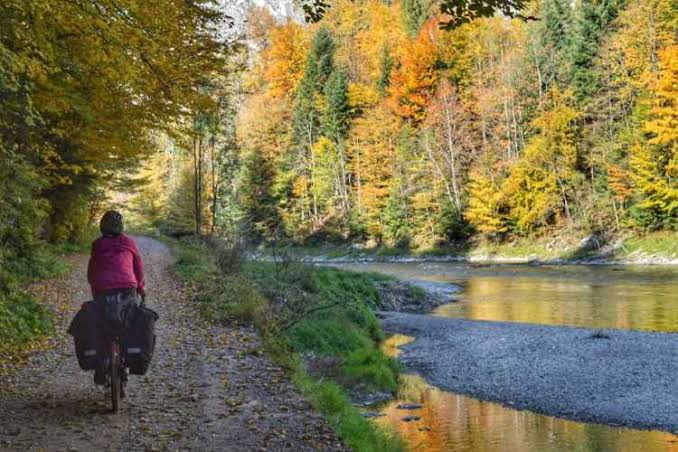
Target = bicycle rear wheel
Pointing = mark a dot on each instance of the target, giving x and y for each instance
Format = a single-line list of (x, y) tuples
[(116, 378)]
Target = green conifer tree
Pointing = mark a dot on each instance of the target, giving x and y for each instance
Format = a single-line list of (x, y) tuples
[(256, 200), (385, 66), (336, 117), (592, 20), (415, 13), (397, 229), (319, 66)]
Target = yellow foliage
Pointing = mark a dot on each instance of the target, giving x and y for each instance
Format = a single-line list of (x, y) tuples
[(646, 25), (538, 182), (655, 165), (423, 200), (484, 204), (413, 83), (664, 123), (361, 96), (372, 157), (619, 182), (531, 190)]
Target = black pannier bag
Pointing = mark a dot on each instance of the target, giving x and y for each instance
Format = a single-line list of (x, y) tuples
[(86, 331), (118, 308), (138, 342)]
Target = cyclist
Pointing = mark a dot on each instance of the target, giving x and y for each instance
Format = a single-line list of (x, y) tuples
[(115, 272)]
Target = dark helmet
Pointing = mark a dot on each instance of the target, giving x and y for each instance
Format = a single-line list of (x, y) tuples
[(111, 223)]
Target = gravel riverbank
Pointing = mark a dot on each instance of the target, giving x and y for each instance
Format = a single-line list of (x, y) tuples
[(614, 377)]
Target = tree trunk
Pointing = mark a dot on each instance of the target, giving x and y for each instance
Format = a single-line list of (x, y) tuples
[(453, 157), (215, 186), (313, 196), (196, 187)]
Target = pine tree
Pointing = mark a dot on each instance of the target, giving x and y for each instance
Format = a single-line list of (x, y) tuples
[(306, 117), (592, 20), (396, 230), (385, 66), (557, 18), (256, 200), (336, 117), (415, 13), (322, 51), (319, 66), (553, 40)]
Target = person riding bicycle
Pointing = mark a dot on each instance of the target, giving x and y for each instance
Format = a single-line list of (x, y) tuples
[(115, 271)]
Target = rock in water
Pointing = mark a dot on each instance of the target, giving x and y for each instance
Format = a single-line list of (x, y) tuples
[(409, 406), (411, 418)]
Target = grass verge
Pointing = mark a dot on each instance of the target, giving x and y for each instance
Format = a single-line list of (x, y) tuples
[(318, 322)]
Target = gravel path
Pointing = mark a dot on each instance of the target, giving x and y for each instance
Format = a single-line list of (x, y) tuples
[(617, 377), (208, 388)]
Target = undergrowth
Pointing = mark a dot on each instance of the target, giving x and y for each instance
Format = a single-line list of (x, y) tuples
[(22, 318), (304, 313)]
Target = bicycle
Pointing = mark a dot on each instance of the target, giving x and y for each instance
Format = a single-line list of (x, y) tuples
[(116, 369)]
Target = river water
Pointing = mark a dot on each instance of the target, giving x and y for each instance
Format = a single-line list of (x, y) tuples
[(642, 298)]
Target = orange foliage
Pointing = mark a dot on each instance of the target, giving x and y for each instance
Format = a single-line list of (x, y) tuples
[(413, 83), (619, 182), (284, 59)]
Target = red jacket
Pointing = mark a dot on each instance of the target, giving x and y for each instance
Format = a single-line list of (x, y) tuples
[(115, 263)]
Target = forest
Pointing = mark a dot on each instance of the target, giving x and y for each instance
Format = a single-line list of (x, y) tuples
[(378, 124), (87, 90), (404, 126)]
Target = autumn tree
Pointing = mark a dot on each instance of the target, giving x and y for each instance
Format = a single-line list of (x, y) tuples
[(485, 205), (412, 85), (654, 164), (542, 182)]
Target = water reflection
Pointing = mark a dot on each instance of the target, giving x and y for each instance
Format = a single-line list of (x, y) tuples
[(643, 298), (454, 422)]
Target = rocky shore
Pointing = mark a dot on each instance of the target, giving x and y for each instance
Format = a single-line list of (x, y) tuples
[(614, 377)]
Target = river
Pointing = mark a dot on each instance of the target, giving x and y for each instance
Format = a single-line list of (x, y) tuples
[(641, 298)]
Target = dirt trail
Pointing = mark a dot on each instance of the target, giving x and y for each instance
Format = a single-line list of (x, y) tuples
[(206, 389)]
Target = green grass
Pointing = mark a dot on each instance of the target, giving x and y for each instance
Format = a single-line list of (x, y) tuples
[(664, 243), (346, 329), (358, 433)]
